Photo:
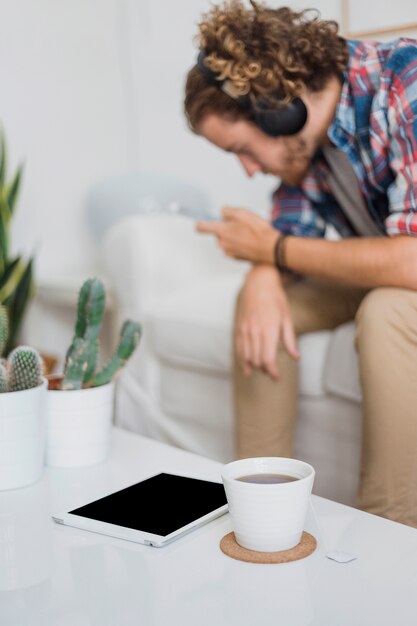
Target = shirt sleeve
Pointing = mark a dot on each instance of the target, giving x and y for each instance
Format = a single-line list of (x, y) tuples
[(294, 214), (402, 129)]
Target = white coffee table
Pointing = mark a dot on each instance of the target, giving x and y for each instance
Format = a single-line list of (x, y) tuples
[(52, 575)]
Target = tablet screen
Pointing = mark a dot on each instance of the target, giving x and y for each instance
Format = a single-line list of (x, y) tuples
[(159, 505)]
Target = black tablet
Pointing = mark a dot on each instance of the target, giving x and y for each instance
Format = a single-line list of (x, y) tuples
[(154, 511)]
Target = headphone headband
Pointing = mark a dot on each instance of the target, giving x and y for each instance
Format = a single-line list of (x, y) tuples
[(286, 121)]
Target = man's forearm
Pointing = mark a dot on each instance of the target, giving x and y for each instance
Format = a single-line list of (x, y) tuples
[(363, 262)]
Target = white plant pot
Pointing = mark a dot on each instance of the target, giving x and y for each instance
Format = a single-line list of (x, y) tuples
[(22, 436), (79, 426)]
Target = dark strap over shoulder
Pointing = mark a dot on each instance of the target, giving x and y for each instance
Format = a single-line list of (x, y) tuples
[(342, 180)]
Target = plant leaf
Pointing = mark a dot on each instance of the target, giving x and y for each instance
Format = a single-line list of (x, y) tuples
[(2, 159), (3, 246), (9, 268), (17, 303), (12, 282), (13, 190)]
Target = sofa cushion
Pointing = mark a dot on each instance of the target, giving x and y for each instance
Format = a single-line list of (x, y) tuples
[(313, 349), (192, 329), (341, 371)]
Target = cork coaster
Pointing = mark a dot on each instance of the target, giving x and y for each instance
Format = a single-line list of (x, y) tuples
[(231, 548)]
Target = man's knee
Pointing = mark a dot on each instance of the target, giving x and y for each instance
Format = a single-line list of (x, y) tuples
[(373, 305), (383, 312)]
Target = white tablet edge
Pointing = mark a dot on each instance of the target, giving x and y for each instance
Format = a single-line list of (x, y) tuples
[(130, 534)]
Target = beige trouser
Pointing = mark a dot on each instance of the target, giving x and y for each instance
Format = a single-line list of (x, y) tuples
[(386, 342)]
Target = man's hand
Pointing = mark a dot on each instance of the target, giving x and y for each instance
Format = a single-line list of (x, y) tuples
[(243, 235), (263, 321)]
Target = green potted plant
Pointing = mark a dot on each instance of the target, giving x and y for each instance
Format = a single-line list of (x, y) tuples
[(16, 274), (80, 401), (22, 427)]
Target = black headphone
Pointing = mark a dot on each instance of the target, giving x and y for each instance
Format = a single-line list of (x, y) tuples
[(288, 120)]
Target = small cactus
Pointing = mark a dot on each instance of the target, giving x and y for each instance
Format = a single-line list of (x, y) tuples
[(92, 361), (82, 355), (91, 305), (82, 362), (25, 369), (129, 339), (4, 328), (77, 364), (3, 376)]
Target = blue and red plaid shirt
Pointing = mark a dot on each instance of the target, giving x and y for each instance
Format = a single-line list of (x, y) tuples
[(376, 126)]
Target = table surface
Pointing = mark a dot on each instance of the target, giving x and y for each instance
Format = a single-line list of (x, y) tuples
[(51, 575)]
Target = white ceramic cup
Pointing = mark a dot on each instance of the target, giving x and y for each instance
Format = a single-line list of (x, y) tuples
[(268, 517)]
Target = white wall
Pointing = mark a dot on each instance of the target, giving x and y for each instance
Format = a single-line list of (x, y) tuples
[(64, 113), (91, 88)]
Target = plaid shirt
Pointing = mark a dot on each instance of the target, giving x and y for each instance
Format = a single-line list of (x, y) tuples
[(376, 126)]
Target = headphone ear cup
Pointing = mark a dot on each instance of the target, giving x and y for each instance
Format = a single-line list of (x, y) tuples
[(287, 121)]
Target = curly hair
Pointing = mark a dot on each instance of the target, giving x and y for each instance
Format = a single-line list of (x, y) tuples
[(267, 54)]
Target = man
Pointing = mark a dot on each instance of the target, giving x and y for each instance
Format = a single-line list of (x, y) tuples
[(336, 121)]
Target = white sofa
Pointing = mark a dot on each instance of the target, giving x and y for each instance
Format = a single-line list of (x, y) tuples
[(177, 388)]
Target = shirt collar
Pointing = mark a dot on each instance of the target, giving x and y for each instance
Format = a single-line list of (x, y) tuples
[(343, 126)]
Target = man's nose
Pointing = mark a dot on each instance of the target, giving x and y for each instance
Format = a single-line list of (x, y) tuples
[(249, 165)]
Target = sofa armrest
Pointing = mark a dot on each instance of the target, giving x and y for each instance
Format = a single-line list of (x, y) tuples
[(147, 257)]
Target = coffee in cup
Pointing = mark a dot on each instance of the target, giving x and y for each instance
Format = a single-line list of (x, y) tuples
[(267, 479), (268, 499)]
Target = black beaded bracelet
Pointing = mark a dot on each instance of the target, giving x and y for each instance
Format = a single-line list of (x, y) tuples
[(279, 254)]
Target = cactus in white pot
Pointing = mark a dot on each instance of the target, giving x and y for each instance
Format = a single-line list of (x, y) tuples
[(80, 402), (22, 430), (23, 369)]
